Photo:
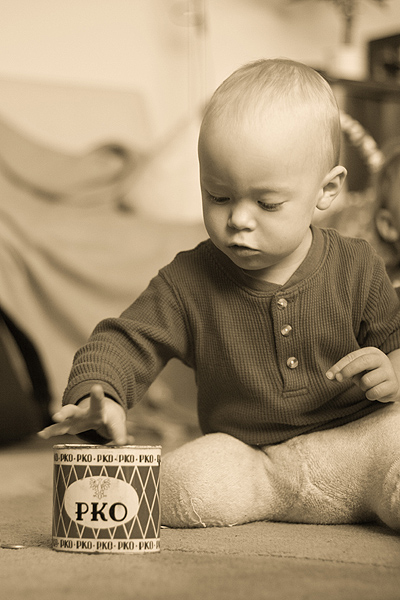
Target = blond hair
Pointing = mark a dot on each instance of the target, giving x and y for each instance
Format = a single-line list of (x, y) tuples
[(257, 86)]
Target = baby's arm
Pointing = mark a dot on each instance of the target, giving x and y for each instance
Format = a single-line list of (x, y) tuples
[(97, 412), (376, 373)]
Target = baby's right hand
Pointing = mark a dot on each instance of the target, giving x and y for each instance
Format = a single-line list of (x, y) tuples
[(97, 412)]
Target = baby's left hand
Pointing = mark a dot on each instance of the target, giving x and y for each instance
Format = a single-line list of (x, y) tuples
[(371, 370)]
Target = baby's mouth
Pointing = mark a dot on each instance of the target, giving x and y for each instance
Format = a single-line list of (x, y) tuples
[(242, 250)]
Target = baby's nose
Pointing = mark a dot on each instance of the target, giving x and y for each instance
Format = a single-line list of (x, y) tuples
[(241, 218)]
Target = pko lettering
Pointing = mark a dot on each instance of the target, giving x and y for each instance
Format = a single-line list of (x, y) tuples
[(116, 512)]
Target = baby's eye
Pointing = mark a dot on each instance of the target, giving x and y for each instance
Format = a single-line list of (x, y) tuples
[(270, 207), (218, 199)]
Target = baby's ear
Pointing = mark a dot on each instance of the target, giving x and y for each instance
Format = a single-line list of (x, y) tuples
[(331, 186), (385, 226)]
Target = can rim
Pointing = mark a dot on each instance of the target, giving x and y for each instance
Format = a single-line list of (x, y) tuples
[(95, 446)]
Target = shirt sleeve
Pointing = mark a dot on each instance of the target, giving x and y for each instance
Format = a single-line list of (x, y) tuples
[(381, 317), (126, 354)]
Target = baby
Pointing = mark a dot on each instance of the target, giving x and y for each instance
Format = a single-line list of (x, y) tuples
[(293, 331)]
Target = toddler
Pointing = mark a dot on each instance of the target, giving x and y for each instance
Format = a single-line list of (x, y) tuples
[(293, 331)]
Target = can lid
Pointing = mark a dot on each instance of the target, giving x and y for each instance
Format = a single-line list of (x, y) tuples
[(108, 446), (12, 546)]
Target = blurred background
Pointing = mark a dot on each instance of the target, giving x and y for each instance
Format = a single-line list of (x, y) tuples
[(100, 105)]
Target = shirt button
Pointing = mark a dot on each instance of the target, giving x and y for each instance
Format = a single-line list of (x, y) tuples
[(286, 329), (292, 362), (282, 303)]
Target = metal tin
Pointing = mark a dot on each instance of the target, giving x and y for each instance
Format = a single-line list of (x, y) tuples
[(106, 499)]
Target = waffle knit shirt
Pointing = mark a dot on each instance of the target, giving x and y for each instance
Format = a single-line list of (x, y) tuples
[(259, 351)]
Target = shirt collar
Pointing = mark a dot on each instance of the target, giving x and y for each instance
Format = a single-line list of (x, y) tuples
[(307, 267)]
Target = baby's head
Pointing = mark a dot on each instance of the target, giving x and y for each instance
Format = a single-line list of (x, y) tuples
[(260, 91), (268, 149)]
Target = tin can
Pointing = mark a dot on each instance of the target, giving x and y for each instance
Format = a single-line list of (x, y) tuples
[(106, 499)]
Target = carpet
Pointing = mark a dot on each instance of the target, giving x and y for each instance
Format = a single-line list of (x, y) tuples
[(271, 561)]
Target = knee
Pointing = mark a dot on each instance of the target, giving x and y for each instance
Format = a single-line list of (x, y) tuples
[(203, 483), (387, 497)]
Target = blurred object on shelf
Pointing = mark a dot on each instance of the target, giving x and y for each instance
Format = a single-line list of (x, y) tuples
[(384, 59), (348, 11), (347, 61)]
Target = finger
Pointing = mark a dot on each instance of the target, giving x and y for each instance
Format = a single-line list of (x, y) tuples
[(117, 430), (355, 363), (67, 411), (46, 433), (64, 420), (383, 392), (97, 401), (114, 422), (119, 437), (57, 429), (348, 366), (374, 378), (130, 428)]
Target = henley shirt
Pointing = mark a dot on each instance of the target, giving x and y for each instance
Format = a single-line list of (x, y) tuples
[(259, 351)]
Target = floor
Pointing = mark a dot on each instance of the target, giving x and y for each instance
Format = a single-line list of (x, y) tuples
[(276, 561)]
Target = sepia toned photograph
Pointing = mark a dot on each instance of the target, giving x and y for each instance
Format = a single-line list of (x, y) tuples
[(200, 299)]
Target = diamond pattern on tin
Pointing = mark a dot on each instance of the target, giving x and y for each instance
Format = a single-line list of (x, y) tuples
[(144, 525)]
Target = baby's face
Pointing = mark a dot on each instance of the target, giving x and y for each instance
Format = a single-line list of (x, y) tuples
[(260, 186)]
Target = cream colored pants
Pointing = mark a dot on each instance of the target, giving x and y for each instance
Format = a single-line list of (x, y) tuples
[(348, 474)]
